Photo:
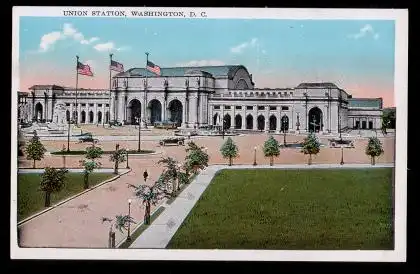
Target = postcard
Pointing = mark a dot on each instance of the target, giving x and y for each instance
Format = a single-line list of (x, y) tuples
[(143, 133)]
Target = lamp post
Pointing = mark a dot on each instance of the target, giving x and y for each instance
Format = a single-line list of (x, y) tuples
[(223, 128), (126, 154), (139, 119), (68, 136), (255, 156), (284, 132), (342, 156), (129, 223)]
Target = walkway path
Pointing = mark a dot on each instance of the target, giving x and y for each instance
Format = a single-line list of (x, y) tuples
[(161, 231)]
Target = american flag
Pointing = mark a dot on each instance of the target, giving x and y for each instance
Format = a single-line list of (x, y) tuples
[(153, 68), (84, 69), (116, 66)]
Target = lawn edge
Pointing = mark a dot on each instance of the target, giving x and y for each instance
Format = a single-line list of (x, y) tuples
[(71, 198)]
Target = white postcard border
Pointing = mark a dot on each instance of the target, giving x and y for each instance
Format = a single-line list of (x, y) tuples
[(400, 95)]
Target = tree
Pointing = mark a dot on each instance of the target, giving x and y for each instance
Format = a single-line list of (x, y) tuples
[(229, 150), (196, 158), (271, 148), (89, 166), (121, 222), (52, 180), (374, 148), (93, 153), (35, 150), (118, 156), (148, 195), (310, 146), (170, 173)]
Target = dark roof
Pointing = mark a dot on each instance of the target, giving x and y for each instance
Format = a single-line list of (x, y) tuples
[(365, 103), (46, 87), (215, 71), (317, 85)]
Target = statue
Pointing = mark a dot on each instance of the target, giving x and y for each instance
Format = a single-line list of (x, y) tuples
[(187, 82)]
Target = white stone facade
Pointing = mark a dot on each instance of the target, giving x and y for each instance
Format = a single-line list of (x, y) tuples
[(204, 96)]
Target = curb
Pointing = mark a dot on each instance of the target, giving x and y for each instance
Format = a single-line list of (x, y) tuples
[(83, 155), (71, 198)]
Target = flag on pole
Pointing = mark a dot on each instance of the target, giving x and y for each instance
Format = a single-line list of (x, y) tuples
[(116, 66), (153, 68), (84, 69)]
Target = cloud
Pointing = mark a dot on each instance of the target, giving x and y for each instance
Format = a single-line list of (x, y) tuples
[(364, 31), (91, 40), (70, 32), (49, 39), (201, 63), (241, 47)]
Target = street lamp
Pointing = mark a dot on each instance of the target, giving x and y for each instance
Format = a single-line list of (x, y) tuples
[(342, 156), (68, 136), (255, 156), (129, 223), (126, 154), (139, 118)]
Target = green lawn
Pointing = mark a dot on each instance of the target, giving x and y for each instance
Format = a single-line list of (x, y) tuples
[(31, 200), (292, 209)]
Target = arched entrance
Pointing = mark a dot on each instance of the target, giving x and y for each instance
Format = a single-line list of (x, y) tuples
[(175, 112), (107, 117), (133, 112), (227, 121), (249, 122), (315, 119), (261, 122), (68, 115), (83, 117), (38, 112), (238, 121), (155, 111), (99, 117), (91, 117), (273, 122), (284, 123)]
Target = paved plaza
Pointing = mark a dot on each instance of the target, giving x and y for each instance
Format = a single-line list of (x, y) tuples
[(77, 223)]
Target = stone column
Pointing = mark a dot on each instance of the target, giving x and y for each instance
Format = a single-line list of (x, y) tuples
[(103, 113), (79, 116), (243, 117), (95, 113), (278, 124), (71, 111), (267, 119), (120, 109), (255, 117), (185, 116), (210, 115)]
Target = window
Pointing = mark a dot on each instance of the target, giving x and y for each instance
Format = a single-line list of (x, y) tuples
[(227, 107), (99, 105), (273, 108), (238, 107), (83, 105), (249, 107), (216, 107), (357, 124), (284, 108), (67, 104), (107, 105), (261, 107), (91, 105)]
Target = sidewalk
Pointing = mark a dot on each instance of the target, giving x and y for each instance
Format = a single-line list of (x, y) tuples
[(161, 231)]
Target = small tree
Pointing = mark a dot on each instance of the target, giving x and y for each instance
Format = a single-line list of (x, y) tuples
[(89, 166), (374, 148), (35, 150), (148, 195), (196, 158), (118, 156), (170, 173), (229, 150), (52, 180), (121, 222), (93, 153), (271, 148), (310, 146)]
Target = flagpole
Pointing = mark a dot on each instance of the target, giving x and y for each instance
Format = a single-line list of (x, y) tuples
[(145, 89), (110, 86), (77, 83)]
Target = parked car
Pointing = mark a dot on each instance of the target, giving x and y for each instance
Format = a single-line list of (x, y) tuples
[(87, 138), (115, 123), (165, 125), (172, 140)]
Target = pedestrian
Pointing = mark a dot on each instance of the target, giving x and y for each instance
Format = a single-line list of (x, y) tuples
[(145, 175)]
